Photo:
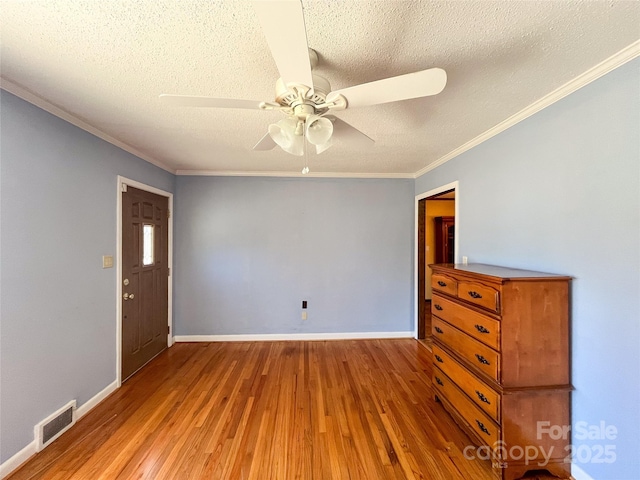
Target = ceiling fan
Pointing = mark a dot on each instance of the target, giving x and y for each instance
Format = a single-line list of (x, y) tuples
[(306, 98)]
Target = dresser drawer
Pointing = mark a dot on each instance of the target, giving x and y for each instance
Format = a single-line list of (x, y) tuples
[(480, 294), (485, 428), (444, 283), (473, 352), (479, 326), (482, 395)]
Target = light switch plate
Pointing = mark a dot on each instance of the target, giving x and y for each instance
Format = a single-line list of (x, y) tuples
[(107, 261)]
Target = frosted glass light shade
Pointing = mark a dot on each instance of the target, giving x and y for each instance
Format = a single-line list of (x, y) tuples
[(283, 133), (319, 129), (323, 147)]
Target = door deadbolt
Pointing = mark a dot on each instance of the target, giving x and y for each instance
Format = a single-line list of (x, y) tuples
[(126, 281)]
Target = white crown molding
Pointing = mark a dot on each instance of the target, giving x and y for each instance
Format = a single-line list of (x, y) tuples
[(215, 173), (617, 60), (623, 56), (72, 119), (273, 337)]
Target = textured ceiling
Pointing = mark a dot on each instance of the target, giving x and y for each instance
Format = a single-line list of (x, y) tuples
[(105, 62)]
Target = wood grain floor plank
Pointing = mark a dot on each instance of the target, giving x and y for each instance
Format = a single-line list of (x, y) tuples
[(355, 409)]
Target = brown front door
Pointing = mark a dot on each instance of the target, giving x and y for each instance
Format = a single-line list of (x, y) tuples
[(145, 272)]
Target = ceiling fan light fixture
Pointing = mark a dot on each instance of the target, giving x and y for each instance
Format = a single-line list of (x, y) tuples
[(284, 134), (318, 130), (323, 147), (306, 97)]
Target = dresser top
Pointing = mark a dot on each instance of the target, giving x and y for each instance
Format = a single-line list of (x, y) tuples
[(501, 273)]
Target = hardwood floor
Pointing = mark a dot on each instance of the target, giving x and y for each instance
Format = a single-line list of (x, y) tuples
[(427, 340), (360, 409)]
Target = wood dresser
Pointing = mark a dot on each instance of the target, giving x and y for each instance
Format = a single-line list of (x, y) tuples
[(501, 363)]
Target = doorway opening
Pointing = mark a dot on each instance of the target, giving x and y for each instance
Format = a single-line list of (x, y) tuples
[(437, 223)]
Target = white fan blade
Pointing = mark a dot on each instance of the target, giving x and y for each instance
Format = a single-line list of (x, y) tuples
[(283, 24), (344, 131), (206, 102), (402, 87), (265, 143)]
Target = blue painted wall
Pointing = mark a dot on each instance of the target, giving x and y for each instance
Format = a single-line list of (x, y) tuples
[(560, 192), (58, 310), (249, 250)]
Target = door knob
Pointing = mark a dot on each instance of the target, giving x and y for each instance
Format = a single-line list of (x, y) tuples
[(128, 296)]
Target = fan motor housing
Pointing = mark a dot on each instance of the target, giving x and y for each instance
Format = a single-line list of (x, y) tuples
[(293, 94)]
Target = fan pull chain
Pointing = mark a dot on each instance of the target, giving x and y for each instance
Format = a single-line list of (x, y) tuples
[(305, 149)]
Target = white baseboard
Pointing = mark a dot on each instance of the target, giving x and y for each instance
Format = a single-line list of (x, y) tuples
[(18, 459), (83, 409), (31, 449), (579, 474), (271, 337)]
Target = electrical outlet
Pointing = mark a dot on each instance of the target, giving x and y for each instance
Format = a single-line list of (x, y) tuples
[(304, 315), (465, 260)]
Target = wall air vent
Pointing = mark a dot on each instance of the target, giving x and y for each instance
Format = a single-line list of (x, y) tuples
[(55, 425)]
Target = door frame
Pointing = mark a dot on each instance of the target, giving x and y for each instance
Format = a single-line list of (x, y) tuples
[(148, 188), (455, 186)]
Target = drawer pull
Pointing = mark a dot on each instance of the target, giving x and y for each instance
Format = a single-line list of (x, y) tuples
[(482, 427), (438, 329), (441, 283), (437, 307), (481, 329), (438, 358), (474, 294), (439, 382), (483, 398), (482, 360)]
